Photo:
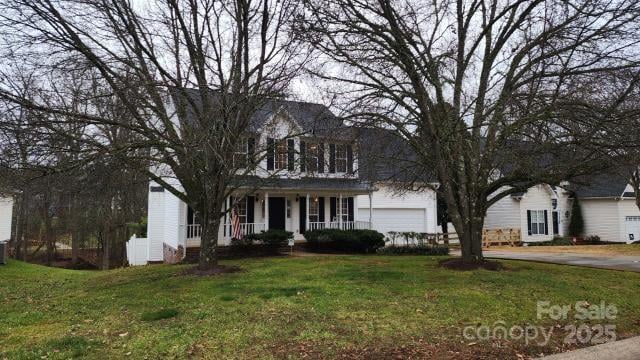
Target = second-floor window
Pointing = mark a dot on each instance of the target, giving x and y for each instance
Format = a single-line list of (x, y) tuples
[(312, 156), (241, 153), (282, 154), (341, 158)]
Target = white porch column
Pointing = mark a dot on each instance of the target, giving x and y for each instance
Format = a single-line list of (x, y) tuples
[(306, 221), (370, 210), (340, 212), (266, 211)]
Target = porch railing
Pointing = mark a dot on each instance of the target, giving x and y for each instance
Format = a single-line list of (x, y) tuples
[(194, 231), (345, 225)]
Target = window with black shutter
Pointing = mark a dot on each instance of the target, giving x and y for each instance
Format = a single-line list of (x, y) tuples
[(332, 158), (290, 155), (270, 153)]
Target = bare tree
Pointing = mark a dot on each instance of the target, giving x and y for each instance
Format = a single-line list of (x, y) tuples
[(480, 89), (234, 54)]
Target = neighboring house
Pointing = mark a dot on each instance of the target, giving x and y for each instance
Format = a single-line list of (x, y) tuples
[(330, 189), (541, 213), (609, 209), (6, 216), (607, 203)]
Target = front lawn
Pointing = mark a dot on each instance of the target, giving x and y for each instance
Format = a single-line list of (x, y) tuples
[(321, 307)]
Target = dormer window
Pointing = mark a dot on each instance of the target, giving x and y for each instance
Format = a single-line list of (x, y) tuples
[(341, 158), (282, 155)]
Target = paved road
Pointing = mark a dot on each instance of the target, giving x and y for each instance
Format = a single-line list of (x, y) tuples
[(614, 262), (628, 349)]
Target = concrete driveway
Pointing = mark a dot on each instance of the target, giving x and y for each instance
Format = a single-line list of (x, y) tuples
[(613, 262)]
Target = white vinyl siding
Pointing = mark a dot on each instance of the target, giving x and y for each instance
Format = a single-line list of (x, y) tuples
[(505, 213), (6, 215), (601, 217)]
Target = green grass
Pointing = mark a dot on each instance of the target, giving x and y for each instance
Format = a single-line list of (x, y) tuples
[(325, 303)]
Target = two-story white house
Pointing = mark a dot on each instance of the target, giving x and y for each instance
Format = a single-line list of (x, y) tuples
[(311, 177)]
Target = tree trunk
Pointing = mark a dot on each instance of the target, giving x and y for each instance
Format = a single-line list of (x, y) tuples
[(209, 243), (75, 231), (470, 235), (18, 238)]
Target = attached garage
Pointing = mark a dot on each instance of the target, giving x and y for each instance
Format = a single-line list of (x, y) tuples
[(385, 220)]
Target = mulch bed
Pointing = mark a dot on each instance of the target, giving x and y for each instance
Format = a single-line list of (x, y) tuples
[(218, 270), (459, 264)]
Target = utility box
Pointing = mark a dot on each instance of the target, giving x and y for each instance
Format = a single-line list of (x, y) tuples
[(3, 252)]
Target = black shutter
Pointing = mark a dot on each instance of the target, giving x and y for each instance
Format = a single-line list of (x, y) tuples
[(350, 159), (303, 156), (270, 153), (332, 209), (321, 212), (303, 214), (189, 215), (350, 206), (224, 224), (332, 158), (251, 209), (251, 149), (290, 155), (546, 223), (529, 221), (321, 158)]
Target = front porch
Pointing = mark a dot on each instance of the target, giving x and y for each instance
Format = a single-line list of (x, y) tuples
[(286, 210)]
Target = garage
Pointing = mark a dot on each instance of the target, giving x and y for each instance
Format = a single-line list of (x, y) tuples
[(385, 220), (633, 228)]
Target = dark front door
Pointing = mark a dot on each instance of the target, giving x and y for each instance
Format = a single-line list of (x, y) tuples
[(276, 213), (555, 222)]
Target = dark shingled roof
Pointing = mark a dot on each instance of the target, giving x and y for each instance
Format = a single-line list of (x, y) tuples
[(384, 156), (313, 118), (600, 186)]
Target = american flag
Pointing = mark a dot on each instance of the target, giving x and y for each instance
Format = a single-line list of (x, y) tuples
[(236, 230)]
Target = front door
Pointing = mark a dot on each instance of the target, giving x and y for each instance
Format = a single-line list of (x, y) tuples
[(556, 220), (277, 213)]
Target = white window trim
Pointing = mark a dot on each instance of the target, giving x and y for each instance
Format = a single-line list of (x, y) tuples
[(539, 222)]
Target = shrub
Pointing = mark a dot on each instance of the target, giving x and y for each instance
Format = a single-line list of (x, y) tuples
[(272, 238), (576, 222), (557, 241), (592, 240), (414, 250), (356, 241)]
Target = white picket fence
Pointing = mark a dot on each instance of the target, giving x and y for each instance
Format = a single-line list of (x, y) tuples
[(137, 251)]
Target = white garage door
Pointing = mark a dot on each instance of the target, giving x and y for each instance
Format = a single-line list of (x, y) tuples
[(633, 228), (385, 220)]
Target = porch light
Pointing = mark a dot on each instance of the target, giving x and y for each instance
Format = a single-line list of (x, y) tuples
[(315, 199)]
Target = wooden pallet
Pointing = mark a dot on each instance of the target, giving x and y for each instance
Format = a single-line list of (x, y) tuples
[(497, 237)]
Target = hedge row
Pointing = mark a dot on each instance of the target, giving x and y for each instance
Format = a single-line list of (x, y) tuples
[(413, 250), (351, 241)]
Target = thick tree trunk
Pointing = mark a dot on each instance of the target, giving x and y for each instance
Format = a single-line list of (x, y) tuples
[(209, 243), (18, 238), (470, 234)]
